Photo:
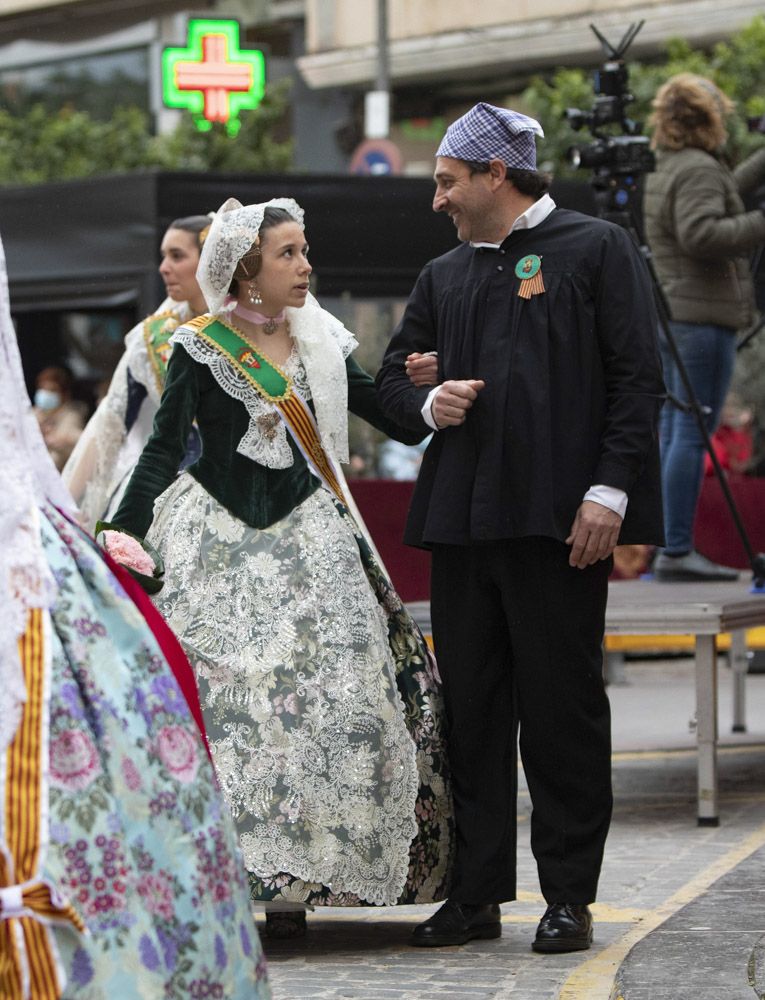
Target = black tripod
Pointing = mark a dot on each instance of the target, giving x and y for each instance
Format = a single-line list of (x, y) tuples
[(751, 334), (614, 195)]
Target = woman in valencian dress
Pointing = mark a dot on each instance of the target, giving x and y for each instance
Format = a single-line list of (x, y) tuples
[(100, 465), (120, 874), (321, 702)]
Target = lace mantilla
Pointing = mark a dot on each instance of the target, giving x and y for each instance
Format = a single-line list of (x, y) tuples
[(317, 366), (232, 232)]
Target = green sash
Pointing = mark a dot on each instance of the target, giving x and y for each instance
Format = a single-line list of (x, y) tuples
[(157, 331), (269, 380)]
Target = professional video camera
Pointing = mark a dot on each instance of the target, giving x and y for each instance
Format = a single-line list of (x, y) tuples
[(613, 158)]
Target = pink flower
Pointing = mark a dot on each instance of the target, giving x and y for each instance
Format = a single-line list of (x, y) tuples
[(178, 752), (128, 552), (156, 891), (131, 774), (74, 760)]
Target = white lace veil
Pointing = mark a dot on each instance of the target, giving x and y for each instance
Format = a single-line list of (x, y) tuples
[(232, 232), (29, 479)]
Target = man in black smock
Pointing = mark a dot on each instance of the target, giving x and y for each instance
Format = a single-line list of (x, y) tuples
[(545, 455)]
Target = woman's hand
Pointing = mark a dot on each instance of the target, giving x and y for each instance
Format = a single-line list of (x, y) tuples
[(422, 369)]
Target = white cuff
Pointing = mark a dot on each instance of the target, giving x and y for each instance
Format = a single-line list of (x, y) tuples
[(427, 416), (608, 496)]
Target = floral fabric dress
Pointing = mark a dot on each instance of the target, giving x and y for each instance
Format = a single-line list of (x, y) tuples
[(140, 840), (322, 704)]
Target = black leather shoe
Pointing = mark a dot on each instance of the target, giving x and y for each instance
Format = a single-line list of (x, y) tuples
[(564, 927), (457, 923)]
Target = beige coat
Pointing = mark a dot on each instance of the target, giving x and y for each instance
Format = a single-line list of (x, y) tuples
[(701, 236)]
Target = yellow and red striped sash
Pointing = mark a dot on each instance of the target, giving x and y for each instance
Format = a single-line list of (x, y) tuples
[(29, 969), (302, 425)]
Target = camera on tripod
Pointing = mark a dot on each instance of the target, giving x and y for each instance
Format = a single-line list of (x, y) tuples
[(625, 154)]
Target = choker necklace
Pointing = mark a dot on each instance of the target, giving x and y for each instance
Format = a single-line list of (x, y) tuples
[(269, 323)]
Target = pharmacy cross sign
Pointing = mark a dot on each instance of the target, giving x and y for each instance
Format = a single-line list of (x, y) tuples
[(213, 78)]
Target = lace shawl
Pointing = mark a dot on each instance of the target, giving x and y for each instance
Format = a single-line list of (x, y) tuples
[(103, 456), (29, 479), (323, 344)]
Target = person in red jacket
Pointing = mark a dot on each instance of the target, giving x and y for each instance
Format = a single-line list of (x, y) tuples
[(732, 441)]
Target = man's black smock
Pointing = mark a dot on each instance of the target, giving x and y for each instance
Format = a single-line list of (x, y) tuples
[(573, 385)]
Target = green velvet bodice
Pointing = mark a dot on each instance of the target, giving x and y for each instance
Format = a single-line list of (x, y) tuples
[(255, 494)]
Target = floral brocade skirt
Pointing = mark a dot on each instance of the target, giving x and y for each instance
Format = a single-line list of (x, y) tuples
[(321, 701), (140, 840)]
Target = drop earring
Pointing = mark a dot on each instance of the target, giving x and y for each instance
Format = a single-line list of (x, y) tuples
[(253, 294)]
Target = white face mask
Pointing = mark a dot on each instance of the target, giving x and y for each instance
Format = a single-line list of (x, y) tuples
[(47, 399)]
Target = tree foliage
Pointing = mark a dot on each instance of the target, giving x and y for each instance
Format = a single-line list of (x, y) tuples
[(737, 66), (40, 146)]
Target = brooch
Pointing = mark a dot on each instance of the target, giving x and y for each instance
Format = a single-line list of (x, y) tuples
[(529, 270), (267, 424)]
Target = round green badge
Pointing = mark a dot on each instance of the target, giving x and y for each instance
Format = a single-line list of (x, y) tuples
[(528, 266)]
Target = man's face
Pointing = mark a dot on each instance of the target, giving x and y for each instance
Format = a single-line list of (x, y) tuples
[(466, 198)]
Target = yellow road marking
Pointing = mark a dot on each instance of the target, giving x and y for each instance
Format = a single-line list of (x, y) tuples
[(594, 978)]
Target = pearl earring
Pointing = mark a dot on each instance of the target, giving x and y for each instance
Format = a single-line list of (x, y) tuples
[(253, 294)]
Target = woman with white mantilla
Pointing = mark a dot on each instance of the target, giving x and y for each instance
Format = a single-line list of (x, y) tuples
[(100, 465), (321, 701)]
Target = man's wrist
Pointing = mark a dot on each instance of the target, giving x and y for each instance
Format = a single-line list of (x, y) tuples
[(427, 409), (608, 496)]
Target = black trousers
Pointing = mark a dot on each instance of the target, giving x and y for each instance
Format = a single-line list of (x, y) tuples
[(518, 637)]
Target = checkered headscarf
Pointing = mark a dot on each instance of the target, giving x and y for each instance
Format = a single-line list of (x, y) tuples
[(486, 133)]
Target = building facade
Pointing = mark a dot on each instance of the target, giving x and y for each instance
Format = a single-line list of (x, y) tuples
[(443, 55)]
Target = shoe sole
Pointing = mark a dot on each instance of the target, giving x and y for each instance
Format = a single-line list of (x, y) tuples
[(484, 932), (562, 945)]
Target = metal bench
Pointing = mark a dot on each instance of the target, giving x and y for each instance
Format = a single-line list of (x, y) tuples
[(705, 611), (701, 610)]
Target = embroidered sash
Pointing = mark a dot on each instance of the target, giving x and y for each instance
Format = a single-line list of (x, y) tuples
[(29, 967), (157, 331), (275, 386)]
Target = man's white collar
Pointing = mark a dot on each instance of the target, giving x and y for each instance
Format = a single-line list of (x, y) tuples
[(533, 215)]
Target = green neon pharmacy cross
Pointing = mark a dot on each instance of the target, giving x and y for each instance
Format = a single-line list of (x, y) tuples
[(213, 78)]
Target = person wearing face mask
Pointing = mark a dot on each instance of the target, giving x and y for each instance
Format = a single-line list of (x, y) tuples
[(100, 465), (61, 418), (320, 698)]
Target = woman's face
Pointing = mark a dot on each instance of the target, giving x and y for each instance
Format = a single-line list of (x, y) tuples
[(180, 256), (284, 271)]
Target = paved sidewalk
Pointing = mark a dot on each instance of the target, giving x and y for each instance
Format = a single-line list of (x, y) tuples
[(662, 917)]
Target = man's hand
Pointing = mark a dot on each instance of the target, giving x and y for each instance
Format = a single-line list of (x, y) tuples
[(594, 534), (453, 400), (422, 369)]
